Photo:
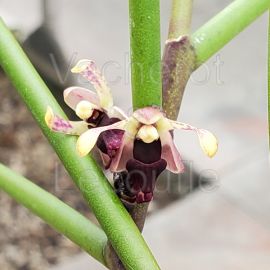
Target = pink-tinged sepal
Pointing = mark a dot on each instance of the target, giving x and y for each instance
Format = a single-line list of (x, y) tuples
[(61, 125), (148, 115), (89, 70), (106, 160), (208, 141), (73, 95), (170, 153), (123, 154)]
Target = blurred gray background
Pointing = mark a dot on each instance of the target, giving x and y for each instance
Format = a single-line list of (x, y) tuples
[(224, 225)]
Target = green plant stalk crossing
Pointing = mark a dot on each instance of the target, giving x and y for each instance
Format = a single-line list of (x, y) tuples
[(110, 212), (145, 52), (222, 28), (56, 213)]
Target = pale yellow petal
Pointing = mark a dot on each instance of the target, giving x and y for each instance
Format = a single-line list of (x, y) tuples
[(181, 125), (89, 70), (208, 142), (164, 125), (61, 125), (87, 140), (131, 128), (80, 66)]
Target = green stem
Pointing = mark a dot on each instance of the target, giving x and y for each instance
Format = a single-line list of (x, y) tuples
[(145, 52), (178, 59), (56, 213), (178, 64), (211, 37), (269, 75), (110, 212), (180, 21)]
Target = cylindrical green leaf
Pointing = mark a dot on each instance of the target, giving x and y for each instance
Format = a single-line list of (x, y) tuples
[(53, 211), (216, 33), (145, 52)]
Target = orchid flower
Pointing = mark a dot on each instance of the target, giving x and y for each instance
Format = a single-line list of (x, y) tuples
[(141, 146), (146, 149), (87, 104), (94, 109), (148, 125)]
